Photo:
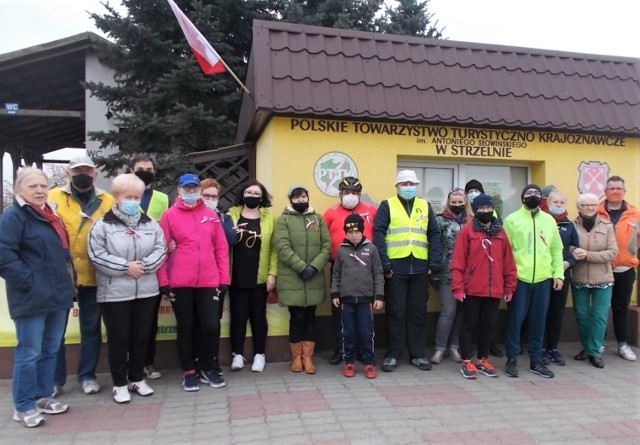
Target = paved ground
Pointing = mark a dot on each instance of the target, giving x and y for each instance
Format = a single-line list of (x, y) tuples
[(581, 405)]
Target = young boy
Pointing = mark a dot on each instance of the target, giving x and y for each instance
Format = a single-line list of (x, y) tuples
[(358, 286)]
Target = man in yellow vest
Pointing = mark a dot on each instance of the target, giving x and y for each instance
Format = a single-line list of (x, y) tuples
[(79, 203), (153, 203), (407, 236)]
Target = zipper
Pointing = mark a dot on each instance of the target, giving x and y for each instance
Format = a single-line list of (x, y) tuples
[(535, 243)]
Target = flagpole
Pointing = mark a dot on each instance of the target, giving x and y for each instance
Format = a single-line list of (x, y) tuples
[(246, 90)]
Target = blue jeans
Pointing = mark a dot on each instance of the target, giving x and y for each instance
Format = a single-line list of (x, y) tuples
[(35, 357), (90, 338), (531, 301), (357, 323)]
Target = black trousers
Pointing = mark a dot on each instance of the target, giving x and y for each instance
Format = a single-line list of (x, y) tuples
[(555, 313), (623, 283), (128, 324), (248, 304), (201, 304), (153, 332), (302, 324), (482, 311)]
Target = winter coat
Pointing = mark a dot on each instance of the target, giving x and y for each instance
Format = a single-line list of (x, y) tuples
[(335, 215), (449, 229), (301, 240), (600, 244), (482, 265), (37, 270), (357, 273), (627, 231), (201, 258), (113, 244), (268, 262)]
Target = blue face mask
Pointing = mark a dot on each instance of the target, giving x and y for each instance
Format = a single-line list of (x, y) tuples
[(408, 191), (130, 207), (557, 211), (472, 196), (191, 198)]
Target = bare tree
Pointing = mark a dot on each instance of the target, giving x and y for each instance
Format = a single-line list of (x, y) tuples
[(57, 174), (7, 194)]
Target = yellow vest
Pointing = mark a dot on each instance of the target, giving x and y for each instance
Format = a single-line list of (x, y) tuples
[(407, 234), (157, 205)]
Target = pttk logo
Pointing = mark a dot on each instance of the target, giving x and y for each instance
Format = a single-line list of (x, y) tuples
[(330, 169), (593, 177)]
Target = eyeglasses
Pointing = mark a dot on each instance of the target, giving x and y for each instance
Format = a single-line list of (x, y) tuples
[(207, 196), (252, 193), (588, 206), (191, 188), (532, 193)]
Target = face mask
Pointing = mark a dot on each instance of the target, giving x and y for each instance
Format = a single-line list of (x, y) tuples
[(456, 210), (147, 177), (191, 198), (484, 217), (350, 201), (82, 181), (557, 211), (408, 192), (532, 201), (130, 207), (615, 195), (211, 204), (252, 201), (473, 195), (300, 207)]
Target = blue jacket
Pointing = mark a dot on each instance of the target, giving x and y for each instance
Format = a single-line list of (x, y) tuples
[(36, 269), (569, 237)]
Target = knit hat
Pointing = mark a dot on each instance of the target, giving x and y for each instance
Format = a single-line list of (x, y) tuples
[(296, 187), (473, 184), (481, 200), (529, 187), (353, 221), (546, 191)]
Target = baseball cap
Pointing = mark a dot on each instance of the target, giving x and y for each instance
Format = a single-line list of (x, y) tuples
[(188, 179), (81, 161)]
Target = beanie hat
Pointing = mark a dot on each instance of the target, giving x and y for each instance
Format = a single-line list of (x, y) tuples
[(481, 200), (353, 221), (473, 184), (529, 187), (546, 191), (296, 187)]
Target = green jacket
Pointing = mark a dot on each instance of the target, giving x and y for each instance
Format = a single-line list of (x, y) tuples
[(536, 245), (268, 262), (301, 240)]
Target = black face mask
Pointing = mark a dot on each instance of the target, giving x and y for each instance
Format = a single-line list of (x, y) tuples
[(532, 201), (457, 210), (484, 217), (300, 207), (82, 181), (147, 177), (252, 201)]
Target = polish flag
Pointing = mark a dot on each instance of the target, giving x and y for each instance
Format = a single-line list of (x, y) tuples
[(209, 60)]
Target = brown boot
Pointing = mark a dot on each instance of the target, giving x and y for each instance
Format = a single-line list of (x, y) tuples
[(307, 353), (296, 356)]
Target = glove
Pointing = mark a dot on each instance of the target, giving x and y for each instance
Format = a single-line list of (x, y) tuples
[(308, 273), (222, 290), (460, 296), (508, 297), (165, 290), (435, 283)]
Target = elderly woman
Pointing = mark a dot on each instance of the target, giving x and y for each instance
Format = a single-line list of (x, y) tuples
[(303, 245), (253, 272), (592, 277), (36, 264), (127, 248)]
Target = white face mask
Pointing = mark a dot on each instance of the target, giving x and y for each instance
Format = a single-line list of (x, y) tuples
[(212, 204), (473, 195), (350, 201)]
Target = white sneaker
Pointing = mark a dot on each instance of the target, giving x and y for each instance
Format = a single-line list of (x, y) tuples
[(436, 358), (30, 419), (121, 394), (48, 405), (454, 355), (601, 350), (258, 363), (626, 353), (151, 373), (238, 362), (141, 388), (90, 387)]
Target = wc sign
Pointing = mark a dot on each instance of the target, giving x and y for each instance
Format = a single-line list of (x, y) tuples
[(11, 108)]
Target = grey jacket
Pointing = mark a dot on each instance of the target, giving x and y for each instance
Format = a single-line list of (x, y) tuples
[(112, 245), (357, 273)]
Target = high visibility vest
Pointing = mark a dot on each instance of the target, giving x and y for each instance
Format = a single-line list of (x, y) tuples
[(407, 234), (157, 205)]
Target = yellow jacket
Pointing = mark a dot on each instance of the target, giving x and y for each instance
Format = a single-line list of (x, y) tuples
[(69, 210)]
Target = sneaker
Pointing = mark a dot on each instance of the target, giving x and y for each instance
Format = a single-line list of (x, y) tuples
[(556, 358), (258, 363), (541, 370), (238, 362), (389, 364), (601, 350), (349, 370), (212, 379), (626, 353), (468, 370), (57, 390), (216, 367), (421, 363), (151, 373), (121, 394), (436, 358), (141, 388), (190, 382), (51, 406), (454, 355), (511, 368), (30, 419), (580, 356), (370, 372), (545, 358), (336, 357), (90, 386), (483, 366)]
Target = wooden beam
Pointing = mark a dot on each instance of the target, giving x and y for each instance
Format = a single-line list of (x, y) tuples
[(44, 113)]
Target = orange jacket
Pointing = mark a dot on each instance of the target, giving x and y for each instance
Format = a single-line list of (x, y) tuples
[(627, 235)]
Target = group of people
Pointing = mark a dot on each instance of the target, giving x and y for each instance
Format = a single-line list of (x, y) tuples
[(118, 254)]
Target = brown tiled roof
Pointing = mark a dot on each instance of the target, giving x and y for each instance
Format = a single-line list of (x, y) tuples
[(315, 71)]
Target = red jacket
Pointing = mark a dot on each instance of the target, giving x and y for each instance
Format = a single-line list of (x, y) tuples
[(482, 266), (334, 217), (201, 258)]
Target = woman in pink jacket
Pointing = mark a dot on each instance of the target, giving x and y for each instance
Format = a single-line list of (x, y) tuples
[(194, 276)]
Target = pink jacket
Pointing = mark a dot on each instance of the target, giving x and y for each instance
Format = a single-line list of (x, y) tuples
[(201, 258)]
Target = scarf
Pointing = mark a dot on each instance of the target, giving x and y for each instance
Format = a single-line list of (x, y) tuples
[(490, 230), (588, 222), (560, 217), (56, 223), (130, 221)]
